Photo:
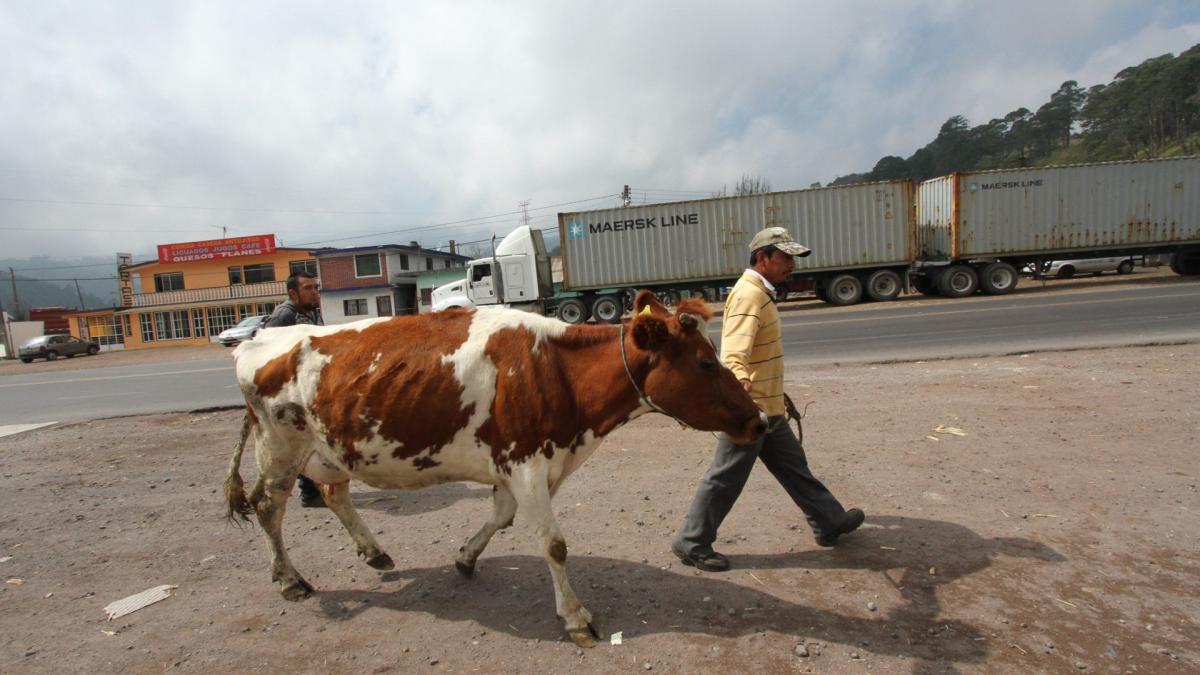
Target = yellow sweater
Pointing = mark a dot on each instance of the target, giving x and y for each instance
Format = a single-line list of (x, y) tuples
[(752, 344)]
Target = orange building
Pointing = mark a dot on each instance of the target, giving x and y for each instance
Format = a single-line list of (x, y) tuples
[(194, 291)]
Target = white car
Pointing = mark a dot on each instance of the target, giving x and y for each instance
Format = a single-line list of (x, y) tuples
[(1065, 269), (245, 330)]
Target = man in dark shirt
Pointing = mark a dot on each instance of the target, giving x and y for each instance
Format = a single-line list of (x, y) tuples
[(304, 299)]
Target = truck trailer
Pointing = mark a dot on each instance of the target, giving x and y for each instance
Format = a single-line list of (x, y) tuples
[(954, 236)]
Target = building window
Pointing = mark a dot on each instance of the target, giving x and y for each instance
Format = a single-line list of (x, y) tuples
[(429, 264), (220, 318), (147, 328), (244, 311), (235, 275), (447, 261), (383, 305), (367, 265), (306, 266), (172, 325), (355, 307), (198, 322), (259, 274), (170, 281), (265, 308), (427, 296), (403, 262)]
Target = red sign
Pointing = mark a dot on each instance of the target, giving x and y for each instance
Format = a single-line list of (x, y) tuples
[(215, 249)]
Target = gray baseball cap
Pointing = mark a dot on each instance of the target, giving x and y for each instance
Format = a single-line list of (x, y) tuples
[(781, 239)]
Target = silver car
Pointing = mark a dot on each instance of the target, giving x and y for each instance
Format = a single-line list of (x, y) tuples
[(246, 330), (50, 347), (1065, 269)]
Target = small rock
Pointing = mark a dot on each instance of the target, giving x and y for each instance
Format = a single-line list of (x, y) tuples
[(932, 571), (1080, 665), (801, 650), (707, 598), (647, 666), (854, 655), (732, 612), (433, 662), (871, 607)]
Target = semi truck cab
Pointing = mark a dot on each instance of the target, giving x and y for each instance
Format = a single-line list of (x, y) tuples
[(517, 274)]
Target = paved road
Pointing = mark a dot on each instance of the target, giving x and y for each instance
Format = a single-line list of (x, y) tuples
[(924, 329)]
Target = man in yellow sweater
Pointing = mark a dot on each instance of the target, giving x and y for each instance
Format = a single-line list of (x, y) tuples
[(752, 347)]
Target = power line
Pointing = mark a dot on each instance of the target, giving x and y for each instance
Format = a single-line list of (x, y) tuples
[(70, 202)]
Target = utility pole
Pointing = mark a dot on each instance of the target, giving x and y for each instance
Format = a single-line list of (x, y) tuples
[(8, 350), (80, 294), (626, 197), (524, 211), (16, 300)]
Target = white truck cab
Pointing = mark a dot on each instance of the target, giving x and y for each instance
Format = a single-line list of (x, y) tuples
[(517, 274)]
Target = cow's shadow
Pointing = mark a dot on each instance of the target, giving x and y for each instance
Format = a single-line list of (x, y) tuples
[(415, 502), (513, 594)]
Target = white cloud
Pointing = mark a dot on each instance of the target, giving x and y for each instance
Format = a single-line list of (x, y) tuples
[(399, 115)]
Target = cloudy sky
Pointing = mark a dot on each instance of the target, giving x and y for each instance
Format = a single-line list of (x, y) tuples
[(129, 124)]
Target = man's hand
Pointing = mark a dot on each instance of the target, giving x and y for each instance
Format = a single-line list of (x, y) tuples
[(746, 384)]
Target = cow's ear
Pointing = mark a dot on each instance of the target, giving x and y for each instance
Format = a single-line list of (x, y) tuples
[(650, 333), (647, 302), (689, 321)]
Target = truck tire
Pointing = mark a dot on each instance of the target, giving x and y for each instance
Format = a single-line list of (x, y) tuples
[(1125, 267), (844, 289), (607, 309), (926, 284), (884, 285), (1186, 262), (1066, 271), (958, 281), (998, 278), (572, 311)]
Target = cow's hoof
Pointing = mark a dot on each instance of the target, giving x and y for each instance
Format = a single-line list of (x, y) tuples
[(584, 637), (465, 569), (297, 590), (381, 561)]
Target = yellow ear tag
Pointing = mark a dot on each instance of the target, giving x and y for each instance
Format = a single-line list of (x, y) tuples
[(645, 311)]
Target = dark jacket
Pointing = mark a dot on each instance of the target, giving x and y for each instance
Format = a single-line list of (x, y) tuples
[(287, 314)]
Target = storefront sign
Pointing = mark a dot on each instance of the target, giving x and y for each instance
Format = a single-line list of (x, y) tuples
[(216, 249)]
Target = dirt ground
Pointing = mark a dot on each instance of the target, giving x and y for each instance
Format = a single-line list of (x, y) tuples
[(1058, 535)]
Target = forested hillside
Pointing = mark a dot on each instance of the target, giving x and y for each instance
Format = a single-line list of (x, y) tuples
[(1148, 110)]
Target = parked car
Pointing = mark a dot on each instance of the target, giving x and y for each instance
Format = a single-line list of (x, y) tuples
[(51, 347), (1065, 269), (246, 330)]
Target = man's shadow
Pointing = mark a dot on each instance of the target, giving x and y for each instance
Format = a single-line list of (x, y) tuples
[(513, 594)]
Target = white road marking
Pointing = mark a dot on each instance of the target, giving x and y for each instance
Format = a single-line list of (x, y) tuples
[(117, 377), (108, 394), (10, 429)]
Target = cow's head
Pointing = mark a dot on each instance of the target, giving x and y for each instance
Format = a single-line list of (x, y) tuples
[(686, 378)]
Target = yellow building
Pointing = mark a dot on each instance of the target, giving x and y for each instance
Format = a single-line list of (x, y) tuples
[(194, 291)]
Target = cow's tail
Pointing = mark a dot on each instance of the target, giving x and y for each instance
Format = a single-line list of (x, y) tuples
[(237, 506)]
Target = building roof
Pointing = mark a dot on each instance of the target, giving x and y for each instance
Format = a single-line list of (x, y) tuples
[(390, 247)]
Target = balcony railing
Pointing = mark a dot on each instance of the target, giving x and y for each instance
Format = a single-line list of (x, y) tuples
[(191, 295)]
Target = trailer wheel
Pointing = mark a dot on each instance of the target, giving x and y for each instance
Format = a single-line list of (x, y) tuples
[(1066, 271), (958, 281), (998, 278), (1125, 267), (1186, 262), (844, 289), (926, 284), (883, 285), (607, 309), (572, 311)]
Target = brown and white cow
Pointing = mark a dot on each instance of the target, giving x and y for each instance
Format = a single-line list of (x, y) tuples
[(495, 396)]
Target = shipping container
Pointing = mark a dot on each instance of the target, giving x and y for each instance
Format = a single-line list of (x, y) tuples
[(1087, 209), (849, 227)]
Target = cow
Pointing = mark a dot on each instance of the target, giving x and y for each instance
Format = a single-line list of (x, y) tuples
[(496, 396)]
